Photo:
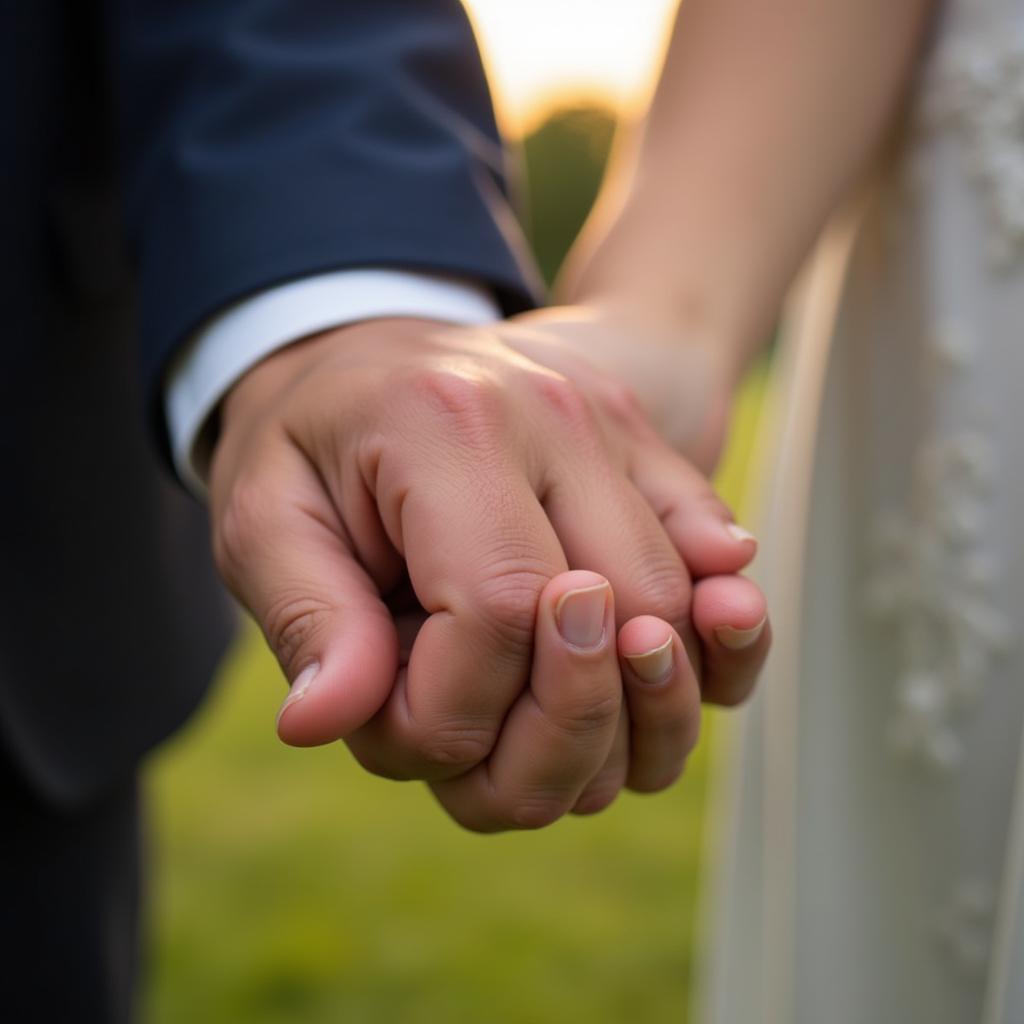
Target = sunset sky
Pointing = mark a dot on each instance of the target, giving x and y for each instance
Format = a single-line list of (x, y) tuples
[(539, 50)]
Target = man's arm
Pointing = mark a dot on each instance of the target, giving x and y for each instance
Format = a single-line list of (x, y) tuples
[(265, 142)]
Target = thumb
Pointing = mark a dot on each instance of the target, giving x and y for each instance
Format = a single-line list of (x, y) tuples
[(284, 552)]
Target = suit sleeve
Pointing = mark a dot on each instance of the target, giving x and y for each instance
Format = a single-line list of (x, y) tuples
[(266, 140)]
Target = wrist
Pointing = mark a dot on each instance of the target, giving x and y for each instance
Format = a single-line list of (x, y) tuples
[(640, 326), (676, 375), (702, 285)]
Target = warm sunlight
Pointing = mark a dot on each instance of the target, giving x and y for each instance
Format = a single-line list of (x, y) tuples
[(541, 50)]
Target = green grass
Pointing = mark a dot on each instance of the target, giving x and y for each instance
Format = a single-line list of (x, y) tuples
[(291, 886)]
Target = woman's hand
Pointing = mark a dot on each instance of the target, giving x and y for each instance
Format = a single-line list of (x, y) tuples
[(679, 379)]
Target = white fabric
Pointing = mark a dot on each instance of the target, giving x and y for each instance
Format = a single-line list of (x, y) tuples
[(240, 336), (874, 867)]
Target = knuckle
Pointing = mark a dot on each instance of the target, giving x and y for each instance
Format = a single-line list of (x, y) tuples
[(565, 399), (242, 523), (470, 404), (664, 590), (598, 796), (536, 811), (620, 400), (573, 413), (582, 716), (458, 744), (291, 623), (506, 603)]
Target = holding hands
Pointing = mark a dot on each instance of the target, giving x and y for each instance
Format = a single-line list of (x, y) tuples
[(479, 564), (490, 558)]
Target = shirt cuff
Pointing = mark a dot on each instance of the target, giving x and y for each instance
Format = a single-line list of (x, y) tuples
[(238, 337)]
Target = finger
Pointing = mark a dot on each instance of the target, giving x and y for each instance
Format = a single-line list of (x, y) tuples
[(663, 700), (699, 523), (560, 731), (479, 551), (283, 552), (605, 786), (731, 618), (605, 524)]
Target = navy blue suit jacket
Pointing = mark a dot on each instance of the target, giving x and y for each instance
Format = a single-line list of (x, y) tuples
[(168, 157)]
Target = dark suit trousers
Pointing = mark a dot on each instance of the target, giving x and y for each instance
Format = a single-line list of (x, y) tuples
[(69, 904)]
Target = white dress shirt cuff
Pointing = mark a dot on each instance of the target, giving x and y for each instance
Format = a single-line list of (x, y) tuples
[(238, 337)]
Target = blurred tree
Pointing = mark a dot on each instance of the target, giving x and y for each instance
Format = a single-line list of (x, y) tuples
[(565, 160)]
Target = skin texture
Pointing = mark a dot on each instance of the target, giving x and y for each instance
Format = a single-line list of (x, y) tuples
[(404, 507)]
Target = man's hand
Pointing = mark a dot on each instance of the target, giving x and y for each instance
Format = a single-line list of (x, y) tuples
[(406, 484)]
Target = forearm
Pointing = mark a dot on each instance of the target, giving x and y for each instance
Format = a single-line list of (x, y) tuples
[(764, 116)]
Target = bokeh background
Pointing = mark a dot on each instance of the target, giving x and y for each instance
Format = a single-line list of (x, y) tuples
[(291, 886)]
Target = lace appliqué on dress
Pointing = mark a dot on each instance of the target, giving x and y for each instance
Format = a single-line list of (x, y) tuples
[(932, 584), (963, 923), (975, 85)]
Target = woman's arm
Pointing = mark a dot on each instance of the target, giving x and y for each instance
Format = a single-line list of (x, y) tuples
[(764, 116)]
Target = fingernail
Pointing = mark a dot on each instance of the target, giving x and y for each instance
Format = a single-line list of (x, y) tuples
[(739, 639), (303, 681), (580, 615), (655, 665), (738, 533)]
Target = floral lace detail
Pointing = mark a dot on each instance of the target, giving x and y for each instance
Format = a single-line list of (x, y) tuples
[(975, 85), (931, 582), (963, 924)]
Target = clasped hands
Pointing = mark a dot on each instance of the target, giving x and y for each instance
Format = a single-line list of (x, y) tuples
[(480, 565)]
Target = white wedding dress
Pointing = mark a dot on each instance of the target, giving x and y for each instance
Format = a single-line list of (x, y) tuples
[(872, 870)]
